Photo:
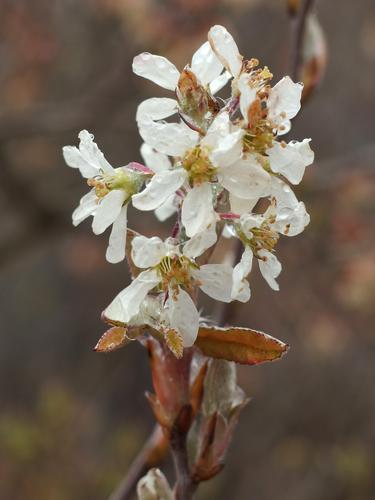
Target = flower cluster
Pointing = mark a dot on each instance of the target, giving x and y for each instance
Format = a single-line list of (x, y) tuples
[(221, 167)]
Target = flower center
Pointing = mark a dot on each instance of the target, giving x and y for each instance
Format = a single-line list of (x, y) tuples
[(175, 272), (198, 166), (263, 238), (130, 182)]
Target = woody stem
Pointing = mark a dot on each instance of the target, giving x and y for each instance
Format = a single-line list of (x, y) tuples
[(185, 486)]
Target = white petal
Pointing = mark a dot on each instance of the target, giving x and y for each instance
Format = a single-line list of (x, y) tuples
[(88, 158), (241, 287), (167, 209), (200, 242), (283, 193), (249, 222), (117, 239), (108, 210), (157, 69), (153, 159), (205, 65), (247, 94), (241, 205), (223, 141), (127, 303), (184, 317), (159, 189), (156, 108), (291, 160), (220, 82), (291, 221), (147, 252), (218, 130), (87, 206), (74, 159), (270, 268), (172, 139), (228, 151), (246, 179), (197, 210), (216, 280), (284, 102), (226, 49)]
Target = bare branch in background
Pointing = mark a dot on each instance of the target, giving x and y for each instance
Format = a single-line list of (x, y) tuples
[(151, 455)]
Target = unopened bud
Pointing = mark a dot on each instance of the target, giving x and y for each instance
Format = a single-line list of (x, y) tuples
[(154, 486), (221, 392)]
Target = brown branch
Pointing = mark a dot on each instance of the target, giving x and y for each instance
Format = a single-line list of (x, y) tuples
[(298, 25), (151, 455), (185, 486)]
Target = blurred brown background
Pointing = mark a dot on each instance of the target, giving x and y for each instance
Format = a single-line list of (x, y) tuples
[(71, 420)]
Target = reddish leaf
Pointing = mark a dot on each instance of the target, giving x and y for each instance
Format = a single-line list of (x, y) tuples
[(112, 339), (241, 345)]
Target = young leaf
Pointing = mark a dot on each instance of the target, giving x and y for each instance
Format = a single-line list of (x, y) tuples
[(241, 345), (112, 339)]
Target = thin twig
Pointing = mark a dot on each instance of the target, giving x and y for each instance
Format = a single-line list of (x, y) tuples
[(298, 23), (151, 455)]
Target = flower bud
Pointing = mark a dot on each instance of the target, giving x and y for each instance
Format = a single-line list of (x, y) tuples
[(194, 100), (154, 486)]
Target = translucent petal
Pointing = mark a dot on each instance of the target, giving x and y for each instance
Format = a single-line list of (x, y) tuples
[(159, 189), (153, 159), (147, 252), (245, 179), (74, 159), (226, 49), (167, 209), (216, 280), (127, 303), (184, 317), (157, 69), (270, 268), (200, 242), (108, 210), (220, 82), (291, 159), (117, 239), (197, 210), (172, 139), (241, 205), (87, 206), (291, 221), (205, 64), (241, 287), (284, 102), (91, 153), (156, 108)]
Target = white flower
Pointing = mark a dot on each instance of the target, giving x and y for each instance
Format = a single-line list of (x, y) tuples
[(218, 156), (107, 201), (204, 64), (291, 159), (171, 270), (283, 104)]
